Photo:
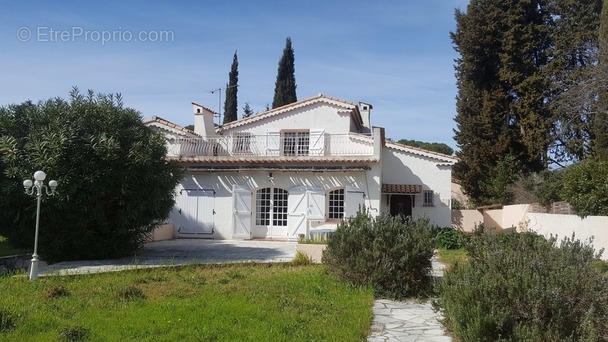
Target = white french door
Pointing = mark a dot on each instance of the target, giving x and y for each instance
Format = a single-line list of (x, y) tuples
[(270, 213)]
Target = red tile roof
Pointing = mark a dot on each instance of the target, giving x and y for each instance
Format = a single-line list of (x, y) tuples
[(168, 124), (401, 188), (273, 160)]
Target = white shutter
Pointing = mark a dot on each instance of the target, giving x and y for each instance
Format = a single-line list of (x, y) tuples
[(317, 142), (273, 143), (296, 214), (206, 211), (316, 205), (241, 206), (354, 201)]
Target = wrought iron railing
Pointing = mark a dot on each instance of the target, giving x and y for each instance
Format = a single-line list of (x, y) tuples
[(274, 145)]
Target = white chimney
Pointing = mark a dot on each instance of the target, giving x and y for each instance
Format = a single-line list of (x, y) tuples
[(203, 120), (365, 109)]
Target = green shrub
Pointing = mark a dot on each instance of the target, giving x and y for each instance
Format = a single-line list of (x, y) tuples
[(387, 253), (521, 287), (450, 238), (584, 187)]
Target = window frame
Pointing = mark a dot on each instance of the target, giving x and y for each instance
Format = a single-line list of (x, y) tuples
[(241, 142), (301, 142), (271, 207), (336, 204), (428, 198)]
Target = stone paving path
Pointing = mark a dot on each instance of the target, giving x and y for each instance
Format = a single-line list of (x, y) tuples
[(408, 321)]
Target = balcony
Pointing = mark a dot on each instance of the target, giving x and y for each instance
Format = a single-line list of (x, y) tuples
[(280, 146)]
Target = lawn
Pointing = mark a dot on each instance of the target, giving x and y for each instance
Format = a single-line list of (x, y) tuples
[(452, 256), (236, 302)]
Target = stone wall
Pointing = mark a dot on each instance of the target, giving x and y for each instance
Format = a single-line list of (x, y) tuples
[(559, 208)]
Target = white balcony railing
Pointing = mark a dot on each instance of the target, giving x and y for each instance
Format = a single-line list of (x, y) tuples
[(274, 145)]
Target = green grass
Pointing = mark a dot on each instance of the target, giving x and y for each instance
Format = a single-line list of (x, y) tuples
[(6, 249), (451, 256), (237, 302)]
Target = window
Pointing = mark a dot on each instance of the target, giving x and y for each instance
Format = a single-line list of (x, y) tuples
[(271, 206), (429, 196), (241, 142), (296, 143), (336, 204)]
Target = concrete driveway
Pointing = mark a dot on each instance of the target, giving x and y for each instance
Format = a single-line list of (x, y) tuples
[(183, 252)]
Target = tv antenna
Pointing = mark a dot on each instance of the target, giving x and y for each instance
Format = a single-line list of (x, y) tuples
[(219, 101)]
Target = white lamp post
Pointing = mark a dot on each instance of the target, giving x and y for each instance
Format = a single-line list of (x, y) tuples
[(35, 188)]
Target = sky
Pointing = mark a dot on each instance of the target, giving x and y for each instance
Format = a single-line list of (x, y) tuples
[(162, 56)]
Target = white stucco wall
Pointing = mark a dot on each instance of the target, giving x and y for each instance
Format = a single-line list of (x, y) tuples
[(402, 167), (564, 226), (318, 115), (224, 182)]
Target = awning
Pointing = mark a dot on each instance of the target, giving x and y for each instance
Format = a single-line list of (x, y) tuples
[(401, 188)]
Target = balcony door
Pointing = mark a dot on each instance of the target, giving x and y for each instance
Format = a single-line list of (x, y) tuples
[(270, 213)]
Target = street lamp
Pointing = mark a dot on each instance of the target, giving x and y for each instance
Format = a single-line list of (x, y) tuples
[(35, 188)]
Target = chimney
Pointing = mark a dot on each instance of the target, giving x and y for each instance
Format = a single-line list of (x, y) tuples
[(365, 109), (203, 120)]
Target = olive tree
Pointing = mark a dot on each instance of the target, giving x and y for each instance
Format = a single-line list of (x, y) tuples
[(115, 185)]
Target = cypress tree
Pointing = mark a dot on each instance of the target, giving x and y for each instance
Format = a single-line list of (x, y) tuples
[(501, 111), (247, 111), (285, 85), (601, 116), (230, 105)]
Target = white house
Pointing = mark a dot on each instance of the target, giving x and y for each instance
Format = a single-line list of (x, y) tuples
[(296, 170)]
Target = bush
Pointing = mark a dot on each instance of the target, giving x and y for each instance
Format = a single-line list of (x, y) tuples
[(450, 238), (115, 185), (522, 287), (387, 253), (584, 187)]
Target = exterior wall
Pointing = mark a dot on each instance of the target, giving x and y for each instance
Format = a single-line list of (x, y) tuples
[(466, 220), (320, 115), (558, 225), (164, 232), (224, 182), (408, 168), (564, 226)]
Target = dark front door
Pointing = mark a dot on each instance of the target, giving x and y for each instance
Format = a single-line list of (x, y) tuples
[(401, 205)]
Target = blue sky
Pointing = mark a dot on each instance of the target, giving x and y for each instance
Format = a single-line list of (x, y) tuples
[(395, 55)]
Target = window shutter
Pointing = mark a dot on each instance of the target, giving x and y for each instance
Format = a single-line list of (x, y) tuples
[(317, 142), (354, 201), (273, 143), (316, 205)]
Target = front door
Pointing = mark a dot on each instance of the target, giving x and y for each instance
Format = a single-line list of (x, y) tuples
[(401, 205), (270, 213)]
